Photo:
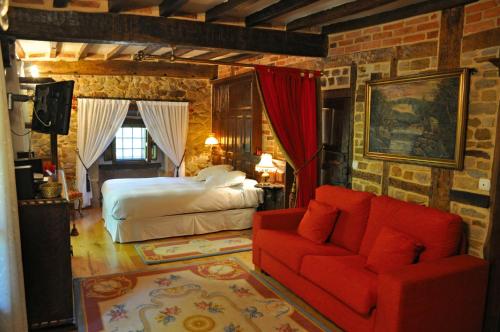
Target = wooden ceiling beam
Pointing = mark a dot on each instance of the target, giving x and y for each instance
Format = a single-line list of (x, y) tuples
[(151, 49), (55, 48), (210, 55), (19, 50), (105, 28), (114, 52), (222, 9), (118, 67), (60, 3), (116, 6), (82, 51), (239, 57), (170, 7), (396, 14), (275, 10), (326, 16)]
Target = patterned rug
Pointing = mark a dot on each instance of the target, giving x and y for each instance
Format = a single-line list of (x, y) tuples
[(176, 250), (221, 295)]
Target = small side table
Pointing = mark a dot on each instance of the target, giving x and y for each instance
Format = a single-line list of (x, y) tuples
[(273, 196)]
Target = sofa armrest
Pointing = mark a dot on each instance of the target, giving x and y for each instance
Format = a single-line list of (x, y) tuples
[(443, 295), (284, 219)]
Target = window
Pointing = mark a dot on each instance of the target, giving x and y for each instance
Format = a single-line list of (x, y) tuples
[(131, 143)]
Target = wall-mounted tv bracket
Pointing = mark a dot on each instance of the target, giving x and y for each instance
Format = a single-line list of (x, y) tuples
[(14, 97)]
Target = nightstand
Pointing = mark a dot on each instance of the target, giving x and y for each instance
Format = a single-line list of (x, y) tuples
[(273, 196)]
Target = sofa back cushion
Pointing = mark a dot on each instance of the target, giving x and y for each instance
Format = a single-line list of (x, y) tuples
[(354, 209), (439, 232)]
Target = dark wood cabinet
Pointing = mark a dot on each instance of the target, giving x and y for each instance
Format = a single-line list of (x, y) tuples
[(237, 122), (274, 196), (45, 243)]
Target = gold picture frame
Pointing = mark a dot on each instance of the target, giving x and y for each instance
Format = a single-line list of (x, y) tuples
[(418, 119)]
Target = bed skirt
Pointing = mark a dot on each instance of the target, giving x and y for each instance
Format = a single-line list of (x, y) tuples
[(178, 225)]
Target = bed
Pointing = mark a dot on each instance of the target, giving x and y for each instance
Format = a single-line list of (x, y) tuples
[(150, 208)]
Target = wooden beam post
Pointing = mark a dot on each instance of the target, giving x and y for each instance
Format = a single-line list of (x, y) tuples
[(104, 28), (450, 45)]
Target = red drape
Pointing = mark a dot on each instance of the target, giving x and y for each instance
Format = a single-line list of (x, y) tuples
[(290, 100)]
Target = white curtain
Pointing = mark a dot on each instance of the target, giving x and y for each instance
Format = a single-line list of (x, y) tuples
[(98, 122), (12, 304), (167, 123)]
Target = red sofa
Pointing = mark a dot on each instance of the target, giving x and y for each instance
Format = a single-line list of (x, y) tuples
[(444, 291)]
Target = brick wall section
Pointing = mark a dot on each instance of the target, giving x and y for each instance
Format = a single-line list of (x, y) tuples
[(414, 55), (481, 16), (412, 30)]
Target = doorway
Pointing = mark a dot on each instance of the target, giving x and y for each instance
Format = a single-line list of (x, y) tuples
[(336, 124)]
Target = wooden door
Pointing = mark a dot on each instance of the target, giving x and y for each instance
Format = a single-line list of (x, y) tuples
[(237, 122)]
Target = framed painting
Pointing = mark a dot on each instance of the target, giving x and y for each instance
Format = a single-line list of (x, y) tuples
[(418, 119)]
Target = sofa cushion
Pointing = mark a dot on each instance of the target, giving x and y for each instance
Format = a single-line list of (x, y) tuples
[(345, 278), (318, 221), (392, 250), (438, 231), (354, 208), (289, 248)]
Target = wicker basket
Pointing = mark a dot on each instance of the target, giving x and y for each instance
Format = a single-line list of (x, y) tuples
[(51, 190)]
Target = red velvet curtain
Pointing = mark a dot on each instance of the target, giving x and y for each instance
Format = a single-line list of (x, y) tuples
[(290, 99)]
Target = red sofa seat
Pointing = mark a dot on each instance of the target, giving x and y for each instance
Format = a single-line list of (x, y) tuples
[(345, 278), (444, 291), (289, 248)]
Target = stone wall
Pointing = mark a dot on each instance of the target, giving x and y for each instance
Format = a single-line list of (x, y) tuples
[(196, 91)]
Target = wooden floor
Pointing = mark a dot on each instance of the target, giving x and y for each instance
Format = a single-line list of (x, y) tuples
[(94, 253)]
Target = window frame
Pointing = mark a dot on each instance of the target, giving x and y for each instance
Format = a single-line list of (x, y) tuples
[(133, 121)]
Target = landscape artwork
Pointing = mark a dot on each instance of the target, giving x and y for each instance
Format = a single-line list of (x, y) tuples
[(417, 119)]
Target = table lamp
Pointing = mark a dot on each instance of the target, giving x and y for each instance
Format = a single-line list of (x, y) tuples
[(211, 141), (265, 165)]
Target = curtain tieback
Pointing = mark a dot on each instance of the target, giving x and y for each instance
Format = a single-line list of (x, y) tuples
[(87, 178), (176, 172), (292, 198)]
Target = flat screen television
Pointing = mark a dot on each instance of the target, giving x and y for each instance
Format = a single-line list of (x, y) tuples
[(52, 107)]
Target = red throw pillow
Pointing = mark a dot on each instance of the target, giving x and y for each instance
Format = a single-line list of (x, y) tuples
[(318, 221), (392, 250)]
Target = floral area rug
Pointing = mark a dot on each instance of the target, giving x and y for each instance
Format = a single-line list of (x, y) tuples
[(222, 295), (176, 250)]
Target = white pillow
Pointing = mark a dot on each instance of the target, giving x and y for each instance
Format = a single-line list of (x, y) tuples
[(234, 178), (216, 180), (228, 179), (213, 170)]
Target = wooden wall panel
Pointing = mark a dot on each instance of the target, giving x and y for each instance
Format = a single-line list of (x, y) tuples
[(237, 122)]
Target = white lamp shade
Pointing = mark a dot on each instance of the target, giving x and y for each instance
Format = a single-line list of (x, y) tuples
[(265, 164), (211, 140)]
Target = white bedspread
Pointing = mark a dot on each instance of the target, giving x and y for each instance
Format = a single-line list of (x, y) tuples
[(163, 196)]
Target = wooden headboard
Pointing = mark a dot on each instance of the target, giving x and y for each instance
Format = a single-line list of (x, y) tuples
[(237, 122)]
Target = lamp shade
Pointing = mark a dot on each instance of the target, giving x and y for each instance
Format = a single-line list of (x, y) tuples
[(265, 164), (211, 140)]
